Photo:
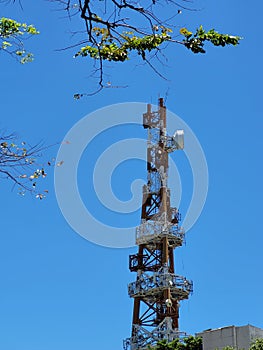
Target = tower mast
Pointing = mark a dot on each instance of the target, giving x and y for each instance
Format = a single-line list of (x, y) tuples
[(157, 290)]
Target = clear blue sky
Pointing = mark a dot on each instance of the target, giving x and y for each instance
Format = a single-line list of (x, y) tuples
[(59, 291)]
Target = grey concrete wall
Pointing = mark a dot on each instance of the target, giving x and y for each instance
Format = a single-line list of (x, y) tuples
[(237, 337)]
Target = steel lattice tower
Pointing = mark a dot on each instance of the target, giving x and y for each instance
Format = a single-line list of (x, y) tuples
[(157, 290)]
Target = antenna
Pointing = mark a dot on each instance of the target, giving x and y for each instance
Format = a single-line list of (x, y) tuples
[(157, 290)]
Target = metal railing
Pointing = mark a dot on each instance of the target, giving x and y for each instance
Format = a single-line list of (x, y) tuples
[(154, 229), (148, 285)]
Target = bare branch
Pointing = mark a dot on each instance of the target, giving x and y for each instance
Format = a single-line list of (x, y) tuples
[(19, 162)]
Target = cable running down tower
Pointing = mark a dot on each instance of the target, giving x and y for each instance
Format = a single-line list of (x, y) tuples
[(157, 290)]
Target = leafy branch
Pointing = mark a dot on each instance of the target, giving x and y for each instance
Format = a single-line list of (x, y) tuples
[(195, 42), (114, 29), (12, 37), (188, 343), (118, 51)]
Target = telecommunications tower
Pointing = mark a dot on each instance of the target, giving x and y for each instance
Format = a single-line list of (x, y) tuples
[(157, 290)]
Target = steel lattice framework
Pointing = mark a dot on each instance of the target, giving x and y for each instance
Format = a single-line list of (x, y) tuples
[(157, 290)]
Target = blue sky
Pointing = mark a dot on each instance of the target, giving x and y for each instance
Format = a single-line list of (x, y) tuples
[(61, 291)]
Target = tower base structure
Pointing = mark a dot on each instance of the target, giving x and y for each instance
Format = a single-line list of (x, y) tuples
[(145, 338)]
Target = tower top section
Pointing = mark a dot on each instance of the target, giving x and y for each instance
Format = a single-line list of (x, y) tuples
[(157, 213), (158, 120)]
